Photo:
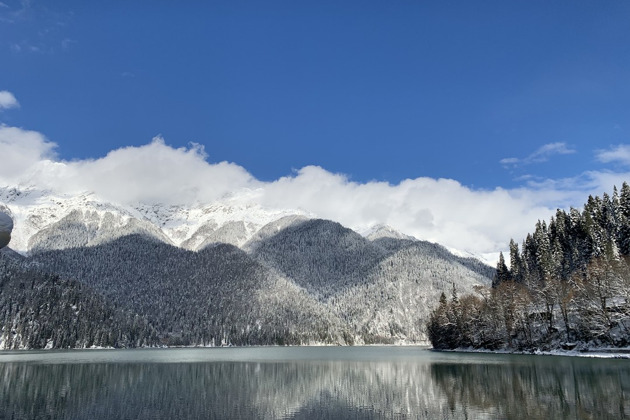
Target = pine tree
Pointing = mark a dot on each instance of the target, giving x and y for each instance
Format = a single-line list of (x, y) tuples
[(516, 263), (623, 218), (503, 274), (544, 258)]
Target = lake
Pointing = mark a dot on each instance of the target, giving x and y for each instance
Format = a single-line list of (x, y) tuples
[(308, 383)]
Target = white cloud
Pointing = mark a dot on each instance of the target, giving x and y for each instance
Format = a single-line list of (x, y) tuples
[(153, 173), (22, 152), (542, 154), (619, 154), (439, 210), (7, 100)]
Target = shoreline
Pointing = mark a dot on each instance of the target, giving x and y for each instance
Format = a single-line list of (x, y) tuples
[(598, 353), (423, 346)]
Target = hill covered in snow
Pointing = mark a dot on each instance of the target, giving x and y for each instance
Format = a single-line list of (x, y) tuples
[(225, 273)]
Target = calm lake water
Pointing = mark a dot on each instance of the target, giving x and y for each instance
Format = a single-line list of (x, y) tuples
[(308, 383)]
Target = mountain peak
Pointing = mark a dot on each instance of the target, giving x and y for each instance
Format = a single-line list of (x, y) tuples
[(385, 231)]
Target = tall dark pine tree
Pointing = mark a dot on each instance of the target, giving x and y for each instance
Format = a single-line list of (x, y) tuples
[(544, 261), (517, 271), (623, 217), (503, 273), (530, 249)]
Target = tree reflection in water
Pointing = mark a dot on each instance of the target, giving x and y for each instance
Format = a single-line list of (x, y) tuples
[(554, 388), (427, 386)]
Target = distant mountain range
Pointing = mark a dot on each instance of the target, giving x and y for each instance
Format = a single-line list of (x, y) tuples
[(93, 273)]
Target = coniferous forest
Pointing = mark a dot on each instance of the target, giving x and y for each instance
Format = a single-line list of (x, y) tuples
[(567, 287), (311, 282)]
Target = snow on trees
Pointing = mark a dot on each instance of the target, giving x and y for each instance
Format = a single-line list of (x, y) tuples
[(570, 283)]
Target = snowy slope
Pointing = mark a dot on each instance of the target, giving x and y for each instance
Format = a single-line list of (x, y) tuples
[(47, 220), (381, 231), (384, 288)]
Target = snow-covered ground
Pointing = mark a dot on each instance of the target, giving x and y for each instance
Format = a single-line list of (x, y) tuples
[(605, 353)]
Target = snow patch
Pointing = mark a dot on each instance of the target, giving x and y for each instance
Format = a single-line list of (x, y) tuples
[(384, 231)]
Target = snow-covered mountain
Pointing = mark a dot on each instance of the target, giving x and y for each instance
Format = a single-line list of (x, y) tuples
[(230, 272), (46, 220)]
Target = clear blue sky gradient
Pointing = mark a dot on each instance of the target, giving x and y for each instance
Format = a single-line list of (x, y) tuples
[(375, 90)]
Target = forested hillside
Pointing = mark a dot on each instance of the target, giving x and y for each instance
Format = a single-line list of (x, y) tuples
[(301, 281), (568, 285), (397, 293), (44, 311), (319, 255), (380, 288), (216, 296), (225, 273)]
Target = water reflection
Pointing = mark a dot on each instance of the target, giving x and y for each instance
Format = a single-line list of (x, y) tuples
[(554, 388), (424, 385)]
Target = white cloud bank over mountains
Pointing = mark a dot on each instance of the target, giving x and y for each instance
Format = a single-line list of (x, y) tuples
[(439, 210)]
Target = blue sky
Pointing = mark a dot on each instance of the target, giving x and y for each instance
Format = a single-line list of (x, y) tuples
[(523, 96), (375, 90)]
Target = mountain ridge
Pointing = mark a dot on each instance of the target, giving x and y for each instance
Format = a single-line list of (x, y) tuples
[(210, 276), (35, 210), (233, 219)]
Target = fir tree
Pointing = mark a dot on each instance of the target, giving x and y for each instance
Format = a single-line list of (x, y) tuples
[(503, 274), (517, 270)]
